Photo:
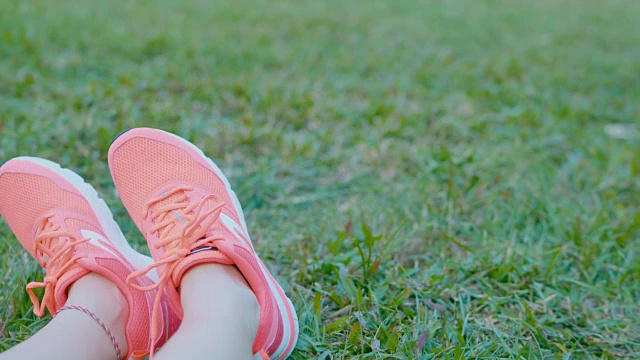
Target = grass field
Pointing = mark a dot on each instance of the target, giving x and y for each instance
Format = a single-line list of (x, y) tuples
[(428, 179)]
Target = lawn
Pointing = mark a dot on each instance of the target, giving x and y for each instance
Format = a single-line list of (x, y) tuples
[(428, 179)]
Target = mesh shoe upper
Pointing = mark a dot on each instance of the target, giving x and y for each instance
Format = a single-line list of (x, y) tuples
[(63, 224), (188, 213)]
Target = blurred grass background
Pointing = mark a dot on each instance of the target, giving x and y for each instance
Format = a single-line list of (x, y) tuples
[(428, 179)]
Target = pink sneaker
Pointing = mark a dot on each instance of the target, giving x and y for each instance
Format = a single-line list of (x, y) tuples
[(184, 206), (69, 230)]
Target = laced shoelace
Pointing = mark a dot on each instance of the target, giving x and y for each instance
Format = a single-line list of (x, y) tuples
[(195, 222), (56, 247)]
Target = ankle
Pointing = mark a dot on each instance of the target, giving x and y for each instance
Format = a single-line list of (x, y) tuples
[(221, 315), (102, 297), (209, 289)]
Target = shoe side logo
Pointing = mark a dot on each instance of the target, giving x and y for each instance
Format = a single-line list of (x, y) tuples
[(98, 240), (235, 228)]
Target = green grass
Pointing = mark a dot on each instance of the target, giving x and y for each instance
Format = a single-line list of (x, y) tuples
[(428, 179)]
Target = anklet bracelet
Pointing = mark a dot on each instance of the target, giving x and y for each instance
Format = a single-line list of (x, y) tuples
[(97, 319)]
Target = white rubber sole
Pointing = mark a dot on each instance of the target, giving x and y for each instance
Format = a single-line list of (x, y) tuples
[(275, 288), (104, 215)]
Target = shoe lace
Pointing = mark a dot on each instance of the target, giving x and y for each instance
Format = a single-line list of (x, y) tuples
[(195, 221), (55, 247)]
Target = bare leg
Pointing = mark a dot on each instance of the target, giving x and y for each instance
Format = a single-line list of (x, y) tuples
[(221, 316), (73, 334)]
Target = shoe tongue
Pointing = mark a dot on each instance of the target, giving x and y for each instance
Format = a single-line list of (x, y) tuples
[(178, 216), (76, 271)]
